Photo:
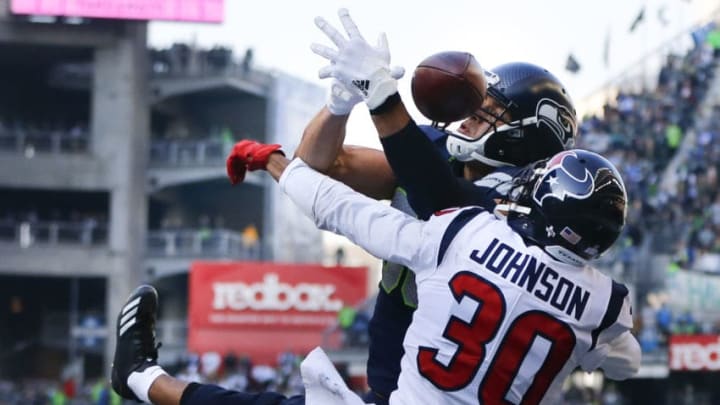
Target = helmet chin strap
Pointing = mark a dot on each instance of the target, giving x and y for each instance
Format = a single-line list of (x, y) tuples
[(466, 149), (503, 209), (462, 148), (564, 255)]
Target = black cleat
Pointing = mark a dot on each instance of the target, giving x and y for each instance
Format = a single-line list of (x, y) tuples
[(135, 349)]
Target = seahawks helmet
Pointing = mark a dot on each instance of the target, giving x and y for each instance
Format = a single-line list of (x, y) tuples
[(542, 119), (572, 205)]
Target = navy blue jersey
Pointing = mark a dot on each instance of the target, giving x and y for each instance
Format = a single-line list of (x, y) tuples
[(419, 193), (419, 160)]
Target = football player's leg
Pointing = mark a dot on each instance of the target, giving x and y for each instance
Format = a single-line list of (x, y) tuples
[(205, 394), (136, 374), (135, 365), (392, 316)]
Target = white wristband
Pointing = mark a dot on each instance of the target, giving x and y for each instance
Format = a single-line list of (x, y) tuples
[(382, 85), (140, 383)]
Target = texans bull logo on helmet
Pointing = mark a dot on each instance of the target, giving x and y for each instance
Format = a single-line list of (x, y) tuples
[(558, 118), (564, 176)]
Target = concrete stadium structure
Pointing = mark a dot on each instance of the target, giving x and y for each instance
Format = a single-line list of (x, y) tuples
[(136, 179)]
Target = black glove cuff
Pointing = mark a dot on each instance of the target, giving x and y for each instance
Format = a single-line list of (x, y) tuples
[(387, 105)]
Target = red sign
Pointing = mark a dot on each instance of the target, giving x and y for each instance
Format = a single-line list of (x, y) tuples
[(174, 10), (262, 309), (695, 352)]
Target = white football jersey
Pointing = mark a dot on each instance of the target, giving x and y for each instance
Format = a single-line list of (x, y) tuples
[(497, 321)]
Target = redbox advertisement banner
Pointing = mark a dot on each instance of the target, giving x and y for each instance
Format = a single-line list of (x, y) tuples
[(694, 352), (261, 309), (173, 10)]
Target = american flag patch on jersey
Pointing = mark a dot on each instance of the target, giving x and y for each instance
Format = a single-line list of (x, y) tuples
[(570, 236)]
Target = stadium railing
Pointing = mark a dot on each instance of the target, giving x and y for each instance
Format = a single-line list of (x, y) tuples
[(191, 153), (199, 243), (26, 142), (26, 233)]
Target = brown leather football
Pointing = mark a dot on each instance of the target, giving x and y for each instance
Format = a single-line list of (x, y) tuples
[(448, 86)]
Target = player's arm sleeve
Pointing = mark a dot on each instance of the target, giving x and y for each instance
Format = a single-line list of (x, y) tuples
[(378, 228), (623, 358), (424, 174), (200, 394), (616, 351)]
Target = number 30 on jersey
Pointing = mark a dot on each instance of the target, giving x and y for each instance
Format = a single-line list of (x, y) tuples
[(510, 359)]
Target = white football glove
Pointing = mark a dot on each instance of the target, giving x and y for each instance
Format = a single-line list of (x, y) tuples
[(340, 100), (362, 68)]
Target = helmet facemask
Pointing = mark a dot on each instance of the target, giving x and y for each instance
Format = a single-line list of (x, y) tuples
[(465, 148), (518, 197), (534, 120)]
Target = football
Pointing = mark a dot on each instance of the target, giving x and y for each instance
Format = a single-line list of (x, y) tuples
[(448, 86)]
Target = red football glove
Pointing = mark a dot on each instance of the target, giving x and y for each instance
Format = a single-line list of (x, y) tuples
[(248, 155)]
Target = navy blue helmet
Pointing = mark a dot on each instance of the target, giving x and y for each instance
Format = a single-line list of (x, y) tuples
[(573, 205), (542, 119)]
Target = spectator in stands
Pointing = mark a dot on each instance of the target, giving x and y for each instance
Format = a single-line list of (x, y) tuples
[(218, 222), (58, 397), (180, 54), (101, 394), (359, 329), (664, 319), (289, 378), (160, 60), (219, 58), (210, 363), (237, 373), (649, 339), (77, 136), (713, 39), (251, 241), (264, 378), (227, 138), (339, 256), (89, 224), (247, 61), (191, 369), (346, 317), (685, 324)]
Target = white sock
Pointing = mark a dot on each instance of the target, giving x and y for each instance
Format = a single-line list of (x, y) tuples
[(140, 383)]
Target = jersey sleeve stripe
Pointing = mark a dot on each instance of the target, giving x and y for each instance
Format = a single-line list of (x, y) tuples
[(617, 297), (455, 226)]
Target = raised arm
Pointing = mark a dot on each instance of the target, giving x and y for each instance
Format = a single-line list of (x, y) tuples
[(322, 140), (383, 231), (365, 170), (419, 168)]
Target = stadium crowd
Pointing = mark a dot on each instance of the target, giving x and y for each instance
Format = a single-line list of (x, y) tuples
[(230, 371), (641, 133)]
